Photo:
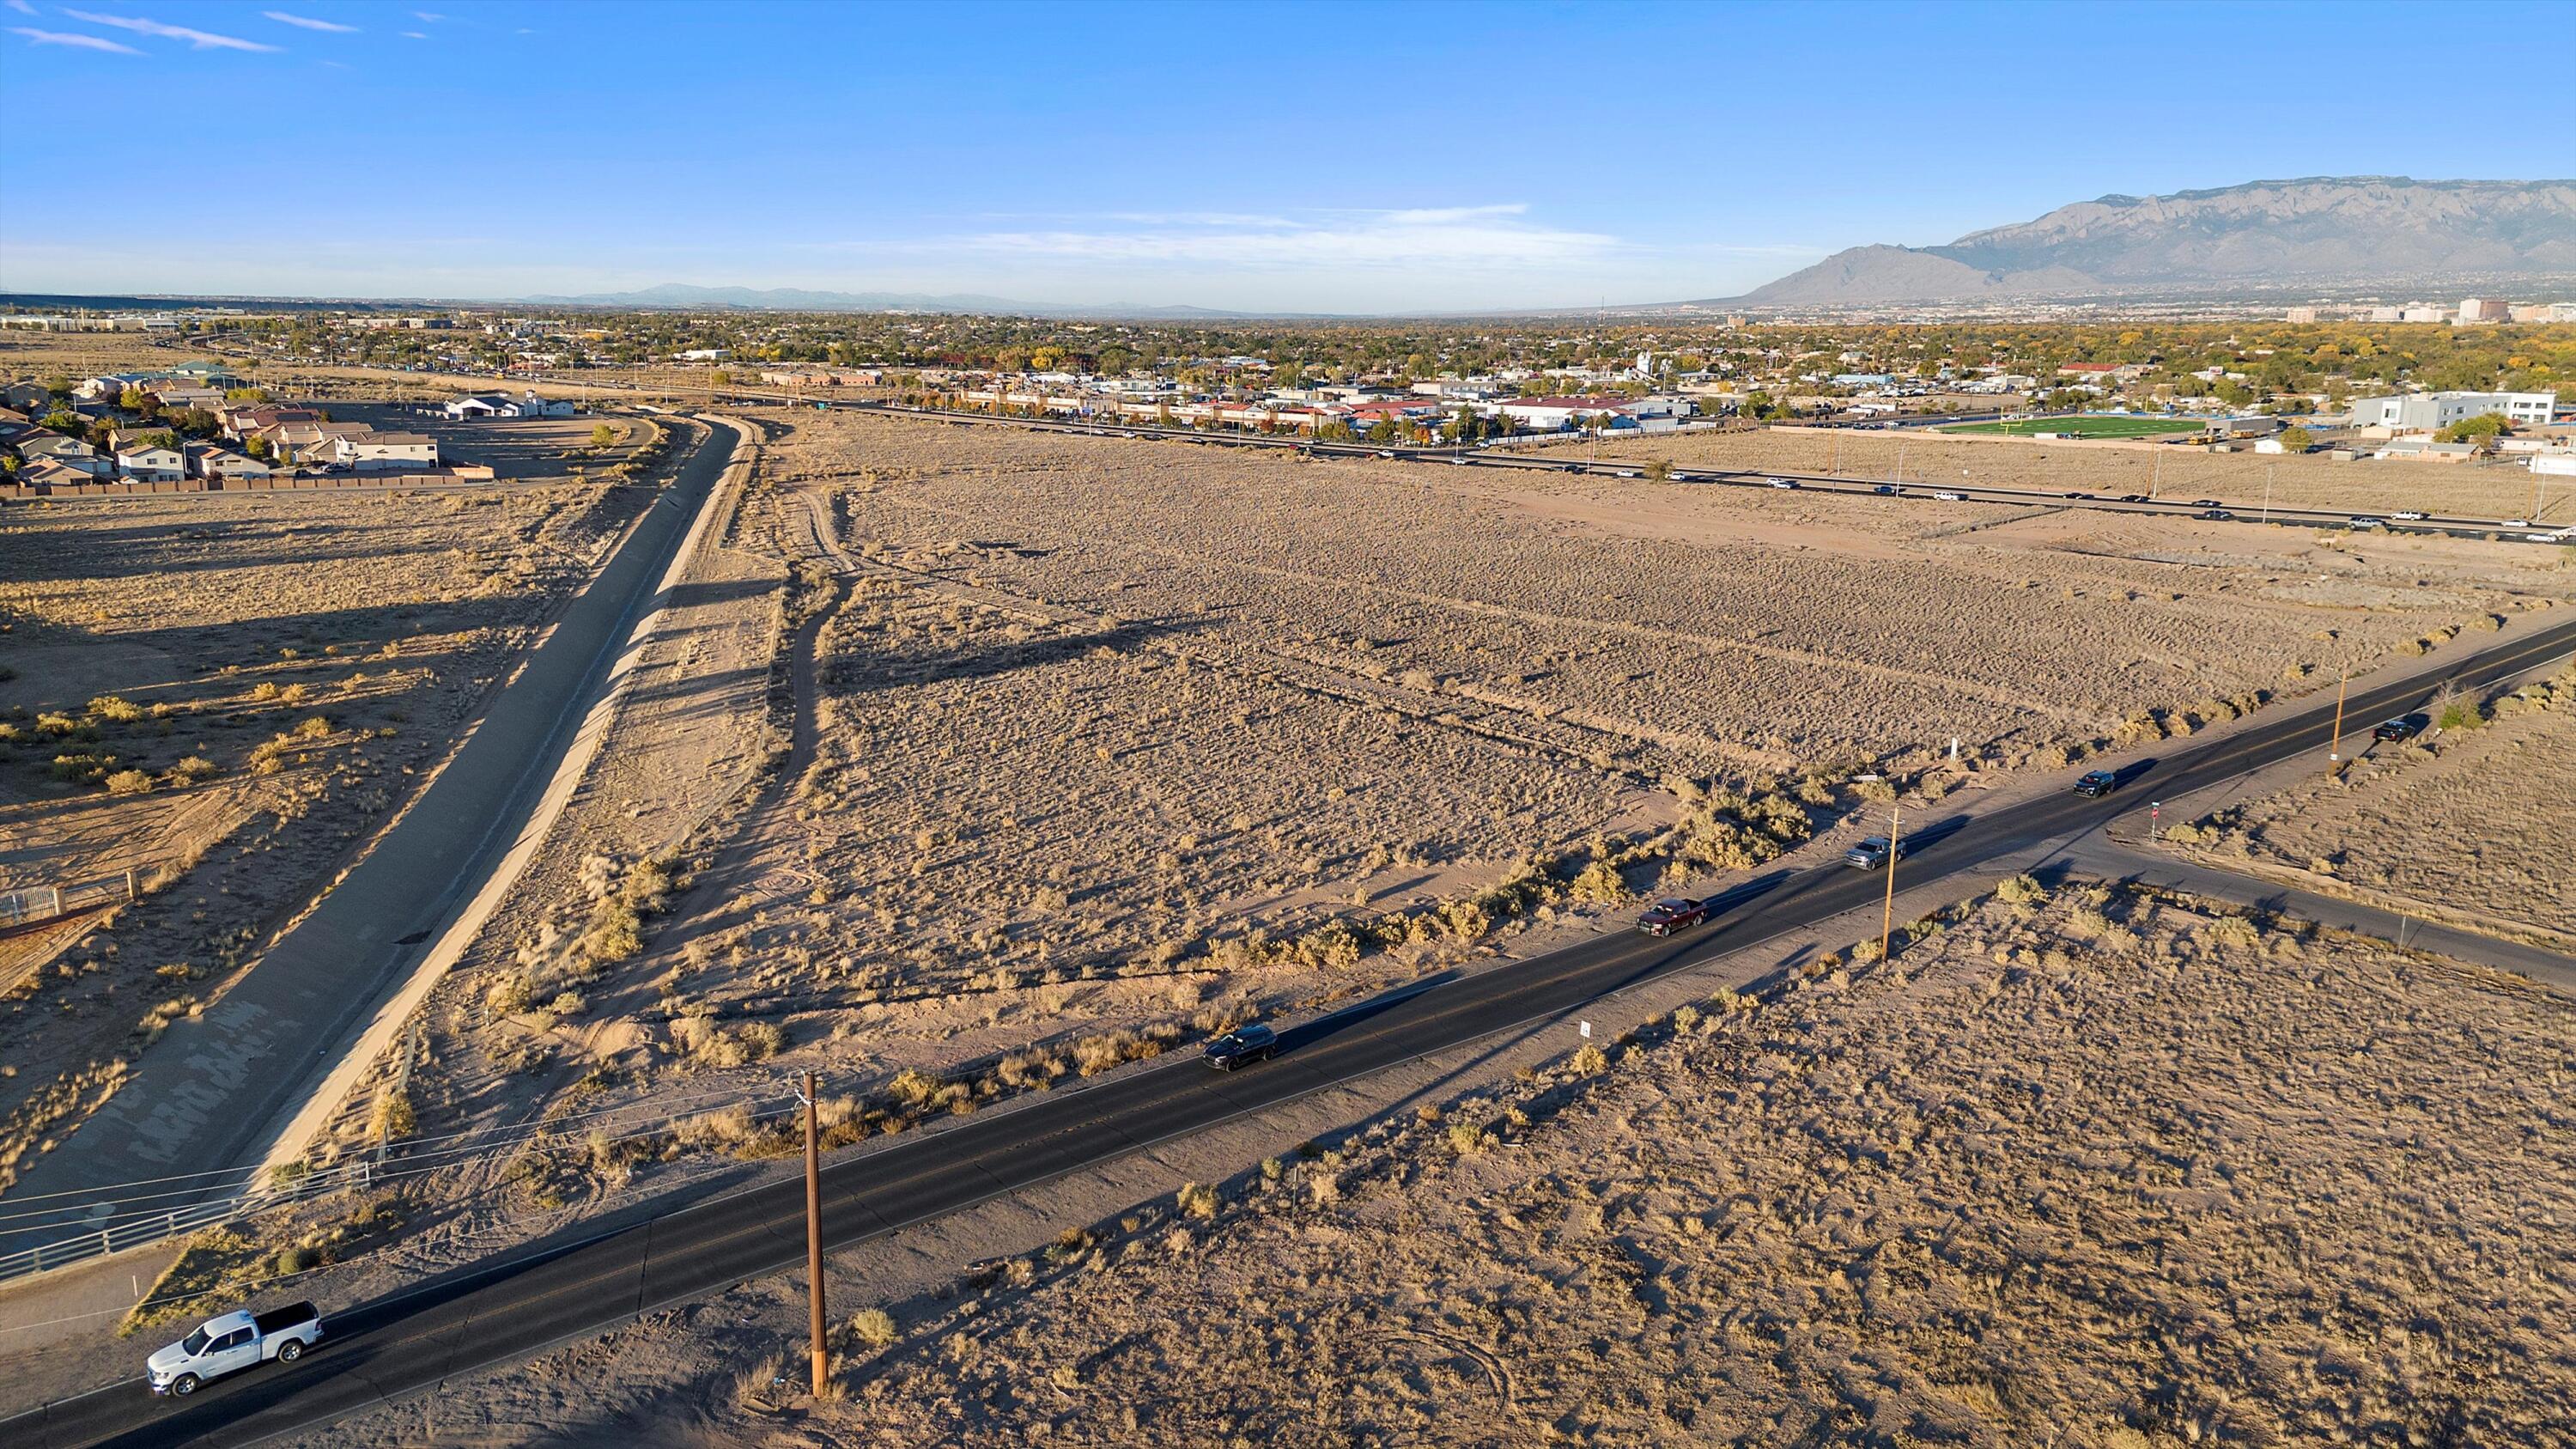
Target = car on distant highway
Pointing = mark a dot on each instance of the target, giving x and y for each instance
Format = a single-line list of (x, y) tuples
[(1627, 473), (1784, 483), (2133, 498), (2215, 515), (2365, 520), (2096, 783), (1949, 497), (2404, 727), (2204, 503), (1886, 488), (2075, 495), (1872, 853), (230, 1342), (1673, 913), (1386, 452), (1462, 460), (2513, 523), (2410, 516), (1251, 1042)]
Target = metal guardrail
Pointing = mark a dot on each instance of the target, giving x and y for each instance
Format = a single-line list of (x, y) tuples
[(79, 1245)]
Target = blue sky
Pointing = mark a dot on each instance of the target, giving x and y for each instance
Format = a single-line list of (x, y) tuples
[(1346, 158)]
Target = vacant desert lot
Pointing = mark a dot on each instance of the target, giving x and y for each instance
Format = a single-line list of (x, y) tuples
[(1096, 736), (2476, 818), (2110, 1170), (222, 694), (2099, 1169), (2170, 472)]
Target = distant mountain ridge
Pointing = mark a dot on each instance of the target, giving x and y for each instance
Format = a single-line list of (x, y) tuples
[(2341, 230), (791, 299)]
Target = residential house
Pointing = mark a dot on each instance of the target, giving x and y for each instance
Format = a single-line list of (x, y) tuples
[(151, 462), (29, 397), (387, 452), (173, 396), (207, 460), (55, 473), (46, 443)]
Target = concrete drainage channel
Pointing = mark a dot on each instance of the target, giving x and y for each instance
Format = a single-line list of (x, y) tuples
[(419, 895)]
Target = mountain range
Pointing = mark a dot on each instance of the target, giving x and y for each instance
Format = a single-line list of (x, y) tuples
[(2317, 230)]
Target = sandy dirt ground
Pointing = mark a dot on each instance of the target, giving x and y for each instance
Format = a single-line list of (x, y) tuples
[(975, 758), (2101, 1169), (1088, 744), (2471, 820), (2237, 479), (225, 694)]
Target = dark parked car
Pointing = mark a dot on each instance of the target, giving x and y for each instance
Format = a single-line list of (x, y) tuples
[(2204, 503), (2215, 515), (2404, 727), (1884, 488), (1872, 853), (1672, 914), (1253, 1043), (2133, 498), (2096, 784)]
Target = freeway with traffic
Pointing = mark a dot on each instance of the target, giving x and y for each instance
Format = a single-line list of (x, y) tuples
[(498, 1313)]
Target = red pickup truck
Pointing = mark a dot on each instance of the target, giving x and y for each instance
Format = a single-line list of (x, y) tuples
[(1672, 914)]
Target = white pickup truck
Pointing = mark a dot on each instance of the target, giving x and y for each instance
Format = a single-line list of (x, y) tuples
[(232, 1341)]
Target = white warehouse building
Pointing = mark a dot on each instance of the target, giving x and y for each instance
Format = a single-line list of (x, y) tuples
[(2428, 411)]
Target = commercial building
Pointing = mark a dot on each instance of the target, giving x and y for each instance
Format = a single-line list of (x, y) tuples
[(2484, 309), (2425, 412)]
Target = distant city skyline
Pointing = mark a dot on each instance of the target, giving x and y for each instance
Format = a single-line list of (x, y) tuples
[(1340, 159)]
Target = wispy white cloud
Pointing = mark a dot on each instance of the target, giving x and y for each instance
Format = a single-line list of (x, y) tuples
[(22, 7), (430, 17), (1479, 237), (76, 42), (307, 22), (197, 39), (413, 35)]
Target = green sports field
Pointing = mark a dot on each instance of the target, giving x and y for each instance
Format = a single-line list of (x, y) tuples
[(2084, 427)]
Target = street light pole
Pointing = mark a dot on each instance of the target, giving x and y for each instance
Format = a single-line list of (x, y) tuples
[(814, 1237)]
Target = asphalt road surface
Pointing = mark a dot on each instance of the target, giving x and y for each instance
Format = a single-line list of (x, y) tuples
[(494, 1315), (208, 1098)]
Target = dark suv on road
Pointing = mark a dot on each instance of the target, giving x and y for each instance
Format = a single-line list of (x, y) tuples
[(1253, 1043), (1667, 916), (2404, 727), (2097, 783)]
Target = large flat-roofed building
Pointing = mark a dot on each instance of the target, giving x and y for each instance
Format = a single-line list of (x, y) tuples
[(2425, 412)]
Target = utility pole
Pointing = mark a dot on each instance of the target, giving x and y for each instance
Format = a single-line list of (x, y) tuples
[(814, 1236), (1887, 914), (2267, 493), (2334, 742), (2156, 478)]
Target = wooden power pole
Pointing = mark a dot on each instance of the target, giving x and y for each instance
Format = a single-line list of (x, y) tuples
[(2334, 742), (814, 1236), (1887, 914)]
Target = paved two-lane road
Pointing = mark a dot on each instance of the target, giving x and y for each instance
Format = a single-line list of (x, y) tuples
[(201, 1106), (485, 1317)]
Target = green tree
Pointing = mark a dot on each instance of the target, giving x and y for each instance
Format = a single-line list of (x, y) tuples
[(2474, 430), (2297, 440), (603, 436)]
